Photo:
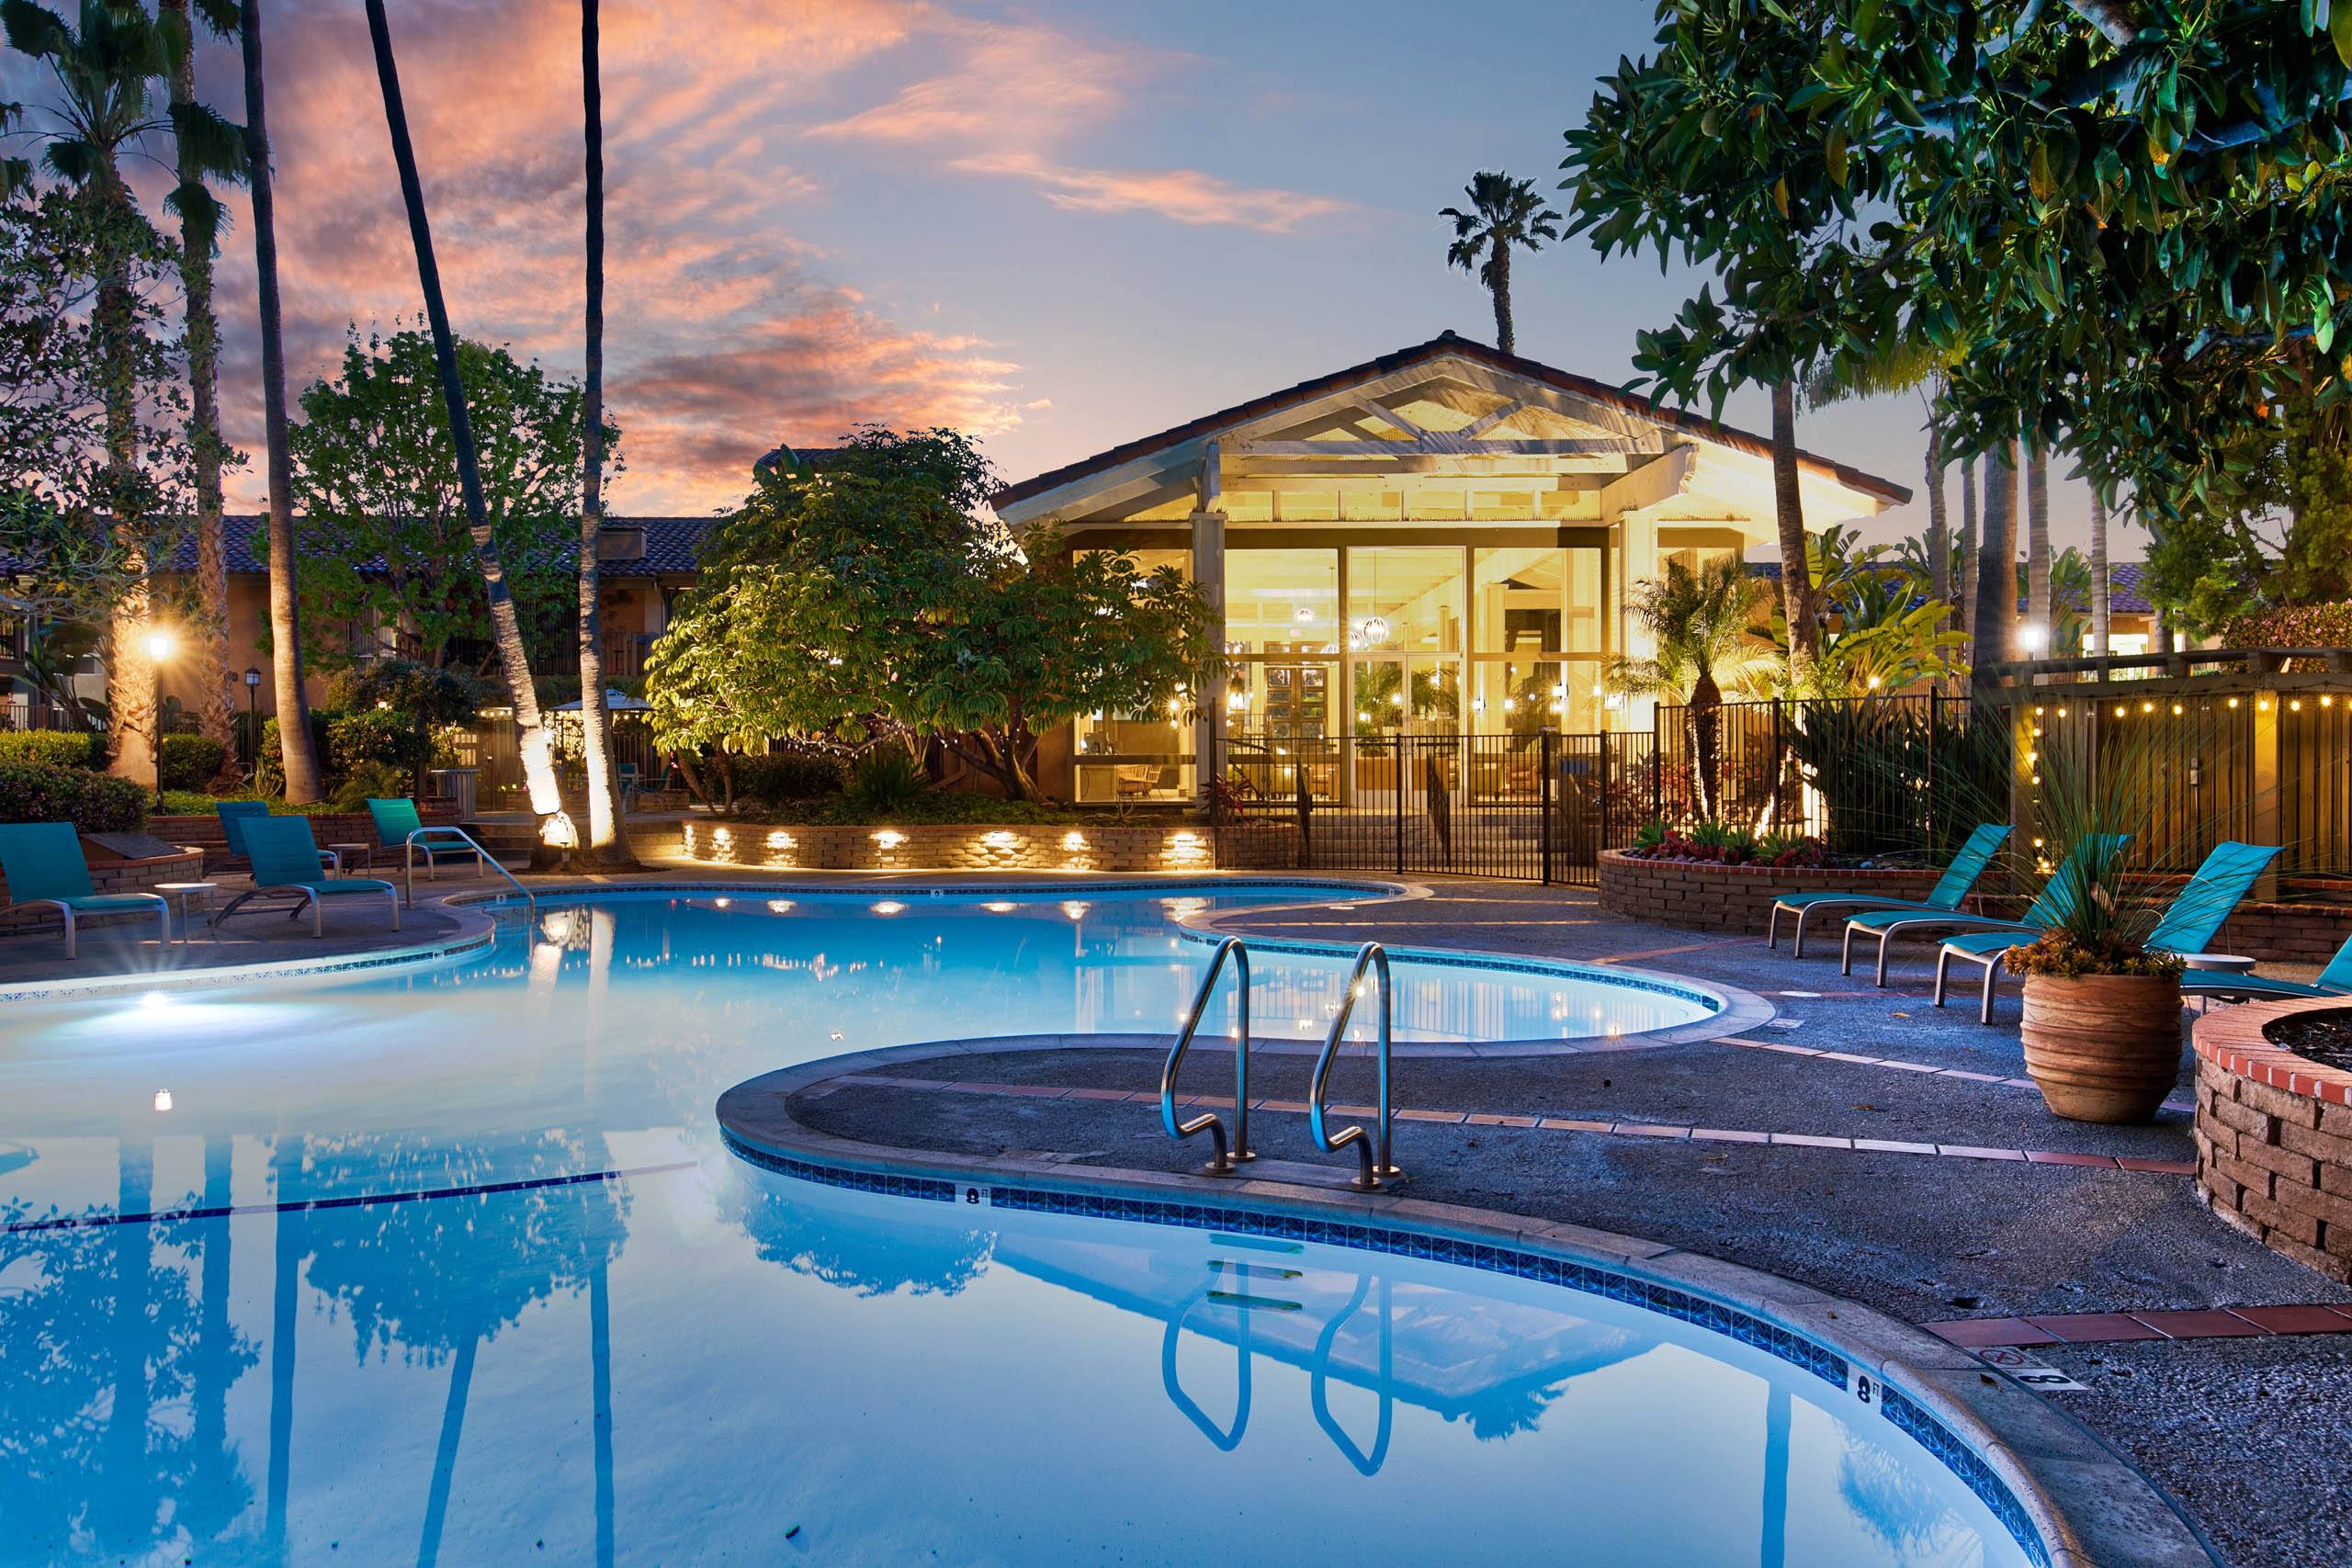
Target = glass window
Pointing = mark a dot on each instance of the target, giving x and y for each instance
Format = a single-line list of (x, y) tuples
[(1406, 598), (1537, 599), (1282, 602), (1418, 697)]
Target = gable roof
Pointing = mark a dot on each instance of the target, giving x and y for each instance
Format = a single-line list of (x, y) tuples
[(1445, 343)]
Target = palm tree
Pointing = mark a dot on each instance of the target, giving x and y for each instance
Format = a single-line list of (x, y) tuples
[(1800, 606), (1968, 561), (2037, 547), (607, 848), (208, 148), (1702, 625), (2098, 574), (1997, 558), (1503, 212), (296, 747), (538, 763), (105, 69)]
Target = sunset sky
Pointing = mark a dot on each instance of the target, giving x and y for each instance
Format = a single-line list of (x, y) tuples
[(1060, 225)]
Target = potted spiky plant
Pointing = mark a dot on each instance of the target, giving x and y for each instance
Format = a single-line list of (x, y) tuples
[(2101, 1030)]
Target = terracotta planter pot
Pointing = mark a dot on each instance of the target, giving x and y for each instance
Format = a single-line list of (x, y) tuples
[(2105, 1047)]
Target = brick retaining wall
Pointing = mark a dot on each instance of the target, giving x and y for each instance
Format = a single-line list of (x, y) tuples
[(328, 827), (2274, 1138), (932, 847), (1731, 898), (112, 877)]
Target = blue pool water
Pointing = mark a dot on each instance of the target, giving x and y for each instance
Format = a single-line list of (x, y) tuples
[(450, 1267)]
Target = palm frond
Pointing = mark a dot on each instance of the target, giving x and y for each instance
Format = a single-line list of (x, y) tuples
[(210, 145)]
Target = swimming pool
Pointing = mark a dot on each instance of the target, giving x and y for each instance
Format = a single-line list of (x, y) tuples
[(450, 1265)]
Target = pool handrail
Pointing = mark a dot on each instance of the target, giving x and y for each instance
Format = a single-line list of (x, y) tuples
[(1371, 1155), (1224, 1159), (408, 870)]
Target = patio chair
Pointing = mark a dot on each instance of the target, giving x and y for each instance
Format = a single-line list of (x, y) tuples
[(44, 865), (2048, 907), (235, 814), (397, 823), (1950, 889), (2335, 981), (286, 865), (2193, 919)]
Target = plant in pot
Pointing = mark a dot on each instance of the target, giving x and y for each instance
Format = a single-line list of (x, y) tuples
[(2101, 1029)]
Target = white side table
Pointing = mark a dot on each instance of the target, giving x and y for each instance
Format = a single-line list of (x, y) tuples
[(346, 853), (2222, 962), (179, 893)]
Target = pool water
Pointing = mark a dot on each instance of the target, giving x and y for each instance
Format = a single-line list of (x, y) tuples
[(450, 1267)]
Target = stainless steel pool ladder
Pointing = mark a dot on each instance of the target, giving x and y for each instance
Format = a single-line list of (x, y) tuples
[(1371, 1151), (1224, 1160), (409, 846)]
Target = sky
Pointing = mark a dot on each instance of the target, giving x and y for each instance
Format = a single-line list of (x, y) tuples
[(1059, 225)]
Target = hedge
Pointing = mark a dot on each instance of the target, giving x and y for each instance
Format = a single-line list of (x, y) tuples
[(54, 747), (191, 762), (93, 802)]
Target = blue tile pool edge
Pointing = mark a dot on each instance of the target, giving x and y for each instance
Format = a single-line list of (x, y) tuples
[(1907, 1413)]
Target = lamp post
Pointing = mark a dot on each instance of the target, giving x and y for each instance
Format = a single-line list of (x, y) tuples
[(158, 649), (253, 717)]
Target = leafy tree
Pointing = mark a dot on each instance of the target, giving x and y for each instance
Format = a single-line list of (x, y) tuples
[(2286, 538), (2121, 219), (387, 534), (419, 698), (873, 591), (1503, 213)]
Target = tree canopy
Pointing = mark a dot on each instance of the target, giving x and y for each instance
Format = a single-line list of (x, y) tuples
[(2118, 219), (874, 591), (385, 532)]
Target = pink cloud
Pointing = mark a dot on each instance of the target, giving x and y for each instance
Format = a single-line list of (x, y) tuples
[(1185, 196)]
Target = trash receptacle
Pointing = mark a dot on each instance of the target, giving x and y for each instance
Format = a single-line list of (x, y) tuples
[(455, 787)]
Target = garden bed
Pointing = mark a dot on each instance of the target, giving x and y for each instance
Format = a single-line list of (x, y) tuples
[(1106, 846), (2274, 1131), (1706, 896)]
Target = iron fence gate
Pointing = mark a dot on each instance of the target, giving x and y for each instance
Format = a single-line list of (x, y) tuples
[(1530, 807)]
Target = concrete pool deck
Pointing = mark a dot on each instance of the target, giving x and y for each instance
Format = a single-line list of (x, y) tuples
[(1803, 1152)]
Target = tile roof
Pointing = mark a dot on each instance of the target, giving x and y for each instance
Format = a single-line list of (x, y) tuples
[(1443, 343)]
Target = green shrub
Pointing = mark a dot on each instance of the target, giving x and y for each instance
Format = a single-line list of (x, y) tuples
[(191, 762), (54, 747), (883, 781), (379, 781), (346, 744), (93, 802), (202, 802), (786, 776)]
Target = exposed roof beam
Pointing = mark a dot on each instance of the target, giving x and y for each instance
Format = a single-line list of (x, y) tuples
[(1442, 445), (1241, 472), (1387, 415), (1486, 422)]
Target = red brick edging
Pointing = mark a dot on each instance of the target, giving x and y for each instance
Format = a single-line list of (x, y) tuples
[(2274, 1138), (2112, 1327), (1703, 896)]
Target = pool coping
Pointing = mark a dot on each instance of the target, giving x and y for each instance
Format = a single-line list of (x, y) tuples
[(475, 933), (2085, 1506)]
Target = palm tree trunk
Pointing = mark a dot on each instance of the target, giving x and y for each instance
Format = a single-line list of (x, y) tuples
[(1505, 339), (1968, 561), (2098, 575), (216, 709), (538, 763), (1996, 558), (130, 674), (1938, 521), (2038, 608), (1788, 502), (298, 748), (606, 848)]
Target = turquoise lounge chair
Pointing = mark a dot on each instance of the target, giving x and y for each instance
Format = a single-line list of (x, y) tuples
[(398, 825), (44, 864), (2189, 925), (286, 865), (235, 814), (2045, 911), (1949, 890), (2335, 981)]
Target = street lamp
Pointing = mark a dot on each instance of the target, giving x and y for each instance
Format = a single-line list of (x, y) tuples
[(253, 717), (158, 649)]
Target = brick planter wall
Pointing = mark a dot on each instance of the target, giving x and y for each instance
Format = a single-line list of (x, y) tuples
[(1111, 847), (330, 827), (113, 876), (1731, 898), (2274, 1138)]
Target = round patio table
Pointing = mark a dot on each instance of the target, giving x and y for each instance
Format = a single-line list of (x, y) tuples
[(2223, 962), (179, 893)]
